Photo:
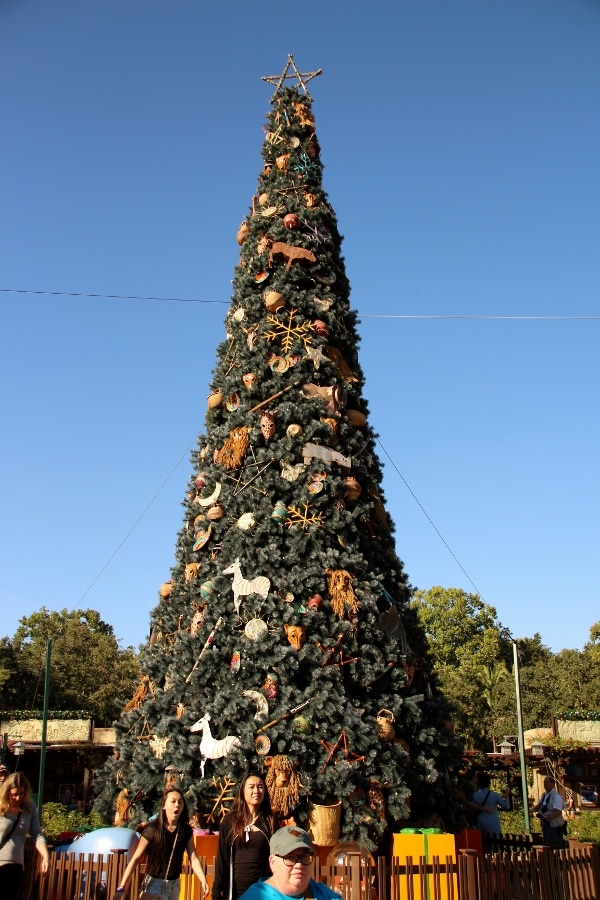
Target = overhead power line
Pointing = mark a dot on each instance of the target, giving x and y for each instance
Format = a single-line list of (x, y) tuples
[(226, 303)]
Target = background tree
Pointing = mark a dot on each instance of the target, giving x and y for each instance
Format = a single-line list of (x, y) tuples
[(89, 670), (315, 663), (469, 648)]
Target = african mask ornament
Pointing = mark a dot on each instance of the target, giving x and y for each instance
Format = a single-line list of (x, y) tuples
[(267, 425), (296, 635)]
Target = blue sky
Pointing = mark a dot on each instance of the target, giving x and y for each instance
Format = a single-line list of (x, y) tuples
[(460, 141)]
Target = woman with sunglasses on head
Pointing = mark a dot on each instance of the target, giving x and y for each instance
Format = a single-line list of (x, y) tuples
[(165, 839), (243, 851), (18, 818)]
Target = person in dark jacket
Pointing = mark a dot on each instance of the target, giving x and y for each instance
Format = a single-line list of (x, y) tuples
[(244, 835)]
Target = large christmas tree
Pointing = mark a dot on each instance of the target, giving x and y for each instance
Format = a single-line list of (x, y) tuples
[(283, 640)]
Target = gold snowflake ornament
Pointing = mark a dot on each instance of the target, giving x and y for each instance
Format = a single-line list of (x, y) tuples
[(288, 332), (303, 519)]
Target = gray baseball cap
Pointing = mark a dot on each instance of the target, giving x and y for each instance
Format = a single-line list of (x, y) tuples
[(288, 839)]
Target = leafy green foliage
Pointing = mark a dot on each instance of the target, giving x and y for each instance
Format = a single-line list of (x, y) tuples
[(473, 660), (56, 819), (89, 670)]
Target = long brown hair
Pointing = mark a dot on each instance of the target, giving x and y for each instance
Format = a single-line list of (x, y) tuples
[(16, 780), (158, 843), (240, 814)]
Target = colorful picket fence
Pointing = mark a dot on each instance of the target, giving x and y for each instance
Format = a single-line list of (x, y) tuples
[(538, 873)]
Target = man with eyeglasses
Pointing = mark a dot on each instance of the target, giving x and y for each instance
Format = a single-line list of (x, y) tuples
[(291, 864)]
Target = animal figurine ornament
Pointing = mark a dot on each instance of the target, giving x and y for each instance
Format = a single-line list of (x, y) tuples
[(333, 398), (210, 747), (326, 454), (290, 253), (241, 587)]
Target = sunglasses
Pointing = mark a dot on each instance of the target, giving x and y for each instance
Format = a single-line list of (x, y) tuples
[(291, 861)]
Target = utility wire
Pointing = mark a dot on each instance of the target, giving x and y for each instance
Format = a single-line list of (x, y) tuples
[(226, 303), (114, 553), (430, 520)]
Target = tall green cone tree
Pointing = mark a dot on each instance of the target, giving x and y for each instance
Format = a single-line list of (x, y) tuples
[(286, 628)]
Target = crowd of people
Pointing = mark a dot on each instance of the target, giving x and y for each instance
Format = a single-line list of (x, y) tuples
[(256, 858)]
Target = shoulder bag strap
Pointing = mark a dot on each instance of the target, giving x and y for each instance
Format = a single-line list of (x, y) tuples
[(8, 835)]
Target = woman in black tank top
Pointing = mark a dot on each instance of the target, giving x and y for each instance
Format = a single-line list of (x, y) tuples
[(243, 851)]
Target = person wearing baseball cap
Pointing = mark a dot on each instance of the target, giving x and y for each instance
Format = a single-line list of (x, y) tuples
[(290, 860), (4, 773)]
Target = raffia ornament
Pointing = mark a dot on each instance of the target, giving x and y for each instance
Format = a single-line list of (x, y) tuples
[(339, 585), (232, 453), (144, 688), (283, 785)]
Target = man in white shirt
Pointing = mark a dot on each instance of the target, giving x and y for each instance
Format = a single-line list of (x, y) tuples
[(549, 811)]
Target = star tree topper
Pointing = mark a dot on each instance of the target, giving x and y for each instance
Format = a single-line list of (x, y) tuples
[(278, 80)]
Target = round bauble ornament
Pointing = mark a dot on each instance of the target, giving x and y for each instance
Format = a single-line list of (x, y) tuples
[(215, 513), (261, 276), (273, 301), (262, 744), (238, 314), (232, 402), (166, 590), (246, 521), (207, 589), (279, 511), (301, 725), (353, 489), (202, 538), (357, 798), (215, 400), (315, 487), (201, 479), (243, 232), (321, 328), (267, 425), (255, 629), (271, 685), (291, 221), (279, 364), (263, 199), (294, 430), (315, 602), (356, 418), (328, 278), (267, 168), (294, 142), (249, 379)]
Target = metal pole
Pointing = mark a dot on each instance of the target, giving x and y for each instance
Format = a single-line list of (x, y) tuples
[(44, 729), (521, 738)]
